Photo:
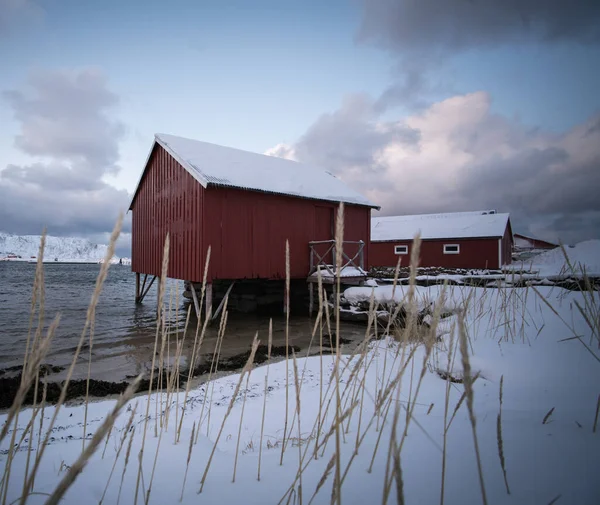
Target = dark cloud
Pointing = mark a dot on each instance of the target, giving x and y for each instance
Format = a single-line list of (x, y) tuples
[(436, 26), (572, 228), (52, 177), (27, 208), (64, 121), (460, 157), (422, 35)]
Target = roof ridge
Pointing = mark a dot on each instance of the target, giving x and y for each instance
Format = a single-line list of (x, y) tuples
[(217, 165)]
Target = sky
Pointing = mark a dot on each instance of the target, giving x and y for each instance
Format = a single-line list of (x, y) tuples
[(429, 106)]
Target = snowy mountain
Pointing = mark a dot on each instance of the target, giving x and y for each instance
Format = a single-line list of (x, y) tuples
[(62, 249)]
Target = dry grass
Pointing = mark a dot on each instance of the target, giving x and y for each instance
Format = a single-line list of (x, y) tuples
[(468, 381), (245, 370), (287, 344), (264, 412)]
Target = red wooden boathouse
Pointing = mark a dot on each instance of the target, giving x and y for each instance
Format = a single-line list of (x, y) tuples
[(478, 239), (244, 206)]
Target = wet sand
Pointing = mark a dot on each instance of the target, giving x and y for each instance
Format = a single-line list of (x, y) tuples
[(111, 371)]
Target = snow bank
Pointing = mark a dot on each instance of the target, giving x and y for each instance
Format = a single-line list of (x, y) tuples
[(584, 256)]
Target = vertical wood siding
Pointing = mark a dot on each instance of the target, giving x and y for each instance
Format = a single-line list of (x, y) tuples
[(507, 245), (249, 230), (170, 201), (474, 253)]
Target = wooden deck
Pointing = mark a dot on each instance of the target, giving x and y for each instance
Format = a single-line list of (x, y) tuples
[(323, 256)]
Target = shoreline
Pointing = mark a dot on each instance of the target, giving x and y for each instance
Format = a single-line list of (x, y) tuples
[(10, 378)]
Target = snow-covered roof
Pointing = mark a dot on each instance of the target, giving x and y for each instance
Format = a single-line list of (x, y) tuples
[(214, 165), (525, 242), (476, 224)]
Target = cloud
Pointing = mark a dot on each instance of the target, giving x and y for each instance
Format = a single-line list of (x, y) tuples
[(457, 155), (66, 118), (454, 25), (65, 123), (350, 138), (423, 34), (282, 151)]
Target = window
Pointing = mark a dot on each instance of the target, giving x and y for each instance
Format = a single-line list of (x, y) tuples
[(451, 249), (400, 249)]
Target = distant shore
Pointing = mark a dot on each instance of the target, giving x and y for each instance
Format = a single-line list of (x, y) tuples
[(64, 262)]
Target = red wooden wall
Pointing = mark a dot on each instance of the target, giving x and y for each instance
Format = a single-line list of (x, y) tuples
[(507, 245), (247, 230), (168, 199), (474, 253)]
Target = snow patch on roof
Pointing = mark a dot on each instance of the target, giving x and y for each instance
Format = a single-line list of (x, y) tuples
[(216, 165), (475, 224)]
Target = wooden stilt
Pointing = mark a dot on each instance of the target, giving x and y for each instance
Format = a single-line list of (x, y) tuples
[(141, 292), (311, 298), (143, 287), (137, 287), (222, 304), (209, 298), (196, 303)]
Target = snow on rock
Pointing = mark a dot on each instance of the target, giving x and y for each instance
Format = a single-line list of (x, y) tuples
[(426, 297), (62, 249)]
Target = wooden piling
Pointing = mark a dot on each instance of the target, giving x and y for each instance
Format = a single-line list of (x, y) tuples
[(137, 287), (209, 298)]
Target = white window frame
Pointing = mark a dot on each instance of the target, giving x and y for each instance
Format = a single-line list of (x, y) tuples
[(404, 251), (452, 252)]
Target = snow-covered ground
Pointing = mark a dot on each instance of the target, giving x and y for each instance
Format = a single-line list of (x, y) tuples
[(550, 386), (584, 257), (61, 249)]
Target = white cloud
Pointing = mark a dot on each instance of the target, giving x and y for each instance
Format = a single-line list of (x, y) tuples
[(284, 151), (461, 156)]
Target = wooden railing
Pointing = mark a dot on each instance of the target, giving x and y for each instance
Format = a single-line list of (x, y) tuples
[(328, 259)]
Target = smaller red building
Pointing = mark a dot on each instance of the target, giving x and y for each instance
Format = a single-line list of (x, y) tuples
[(525, 243), (479, 239)]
